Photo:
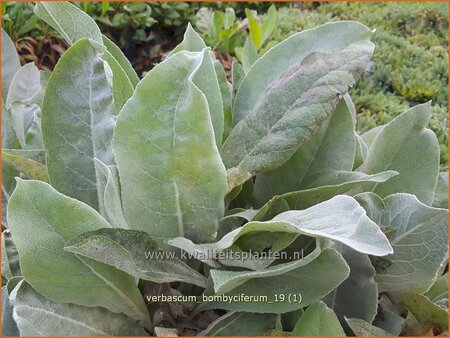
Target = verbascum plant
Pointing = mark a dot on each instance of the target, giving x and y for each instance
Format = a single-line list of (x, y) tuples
[(181, 204)]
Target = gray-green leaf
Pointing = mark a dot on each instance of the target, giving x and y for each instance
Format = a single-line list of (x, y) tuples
[(311, 278), (357, 296), (206, 79), (173, 180), (134, 252), (406, 146), (419, 242), (37, 316), (77, 122), (41, 220), (331, 148), (10, 63), (270, 124), (122, 60), (318, 320), (70, 21)]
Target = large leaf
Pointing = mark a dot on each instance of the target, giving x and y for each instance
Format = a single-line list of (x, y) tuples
[(419, 242), (71, 22), (318, 320), (77, 122), (74, 24), (9, 138), (173, 180), (10, 63), (204, 79), (341, 219), (406, 146), (37, 316), (308, 279), (357, 296), (122, 60), (331, 148), (24, 98), (41, 220), (122, 87), (270, 122), (226, 92), (134, 252), (241, 324)]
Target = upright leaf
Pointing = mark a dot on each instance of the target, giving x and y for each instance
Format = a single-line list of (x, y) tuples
[(74, 24), (10, 62), (173, 180), (37, 316), (248, 54), (227, 100), (192, 42), (318, 320), (331, 148), (419, 241), (121, 59), (52, 219), (77, 122), (406, 146), (109, 194), (205, 80), (24, 98), (70, 21), (270, 123), (122, 87)]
